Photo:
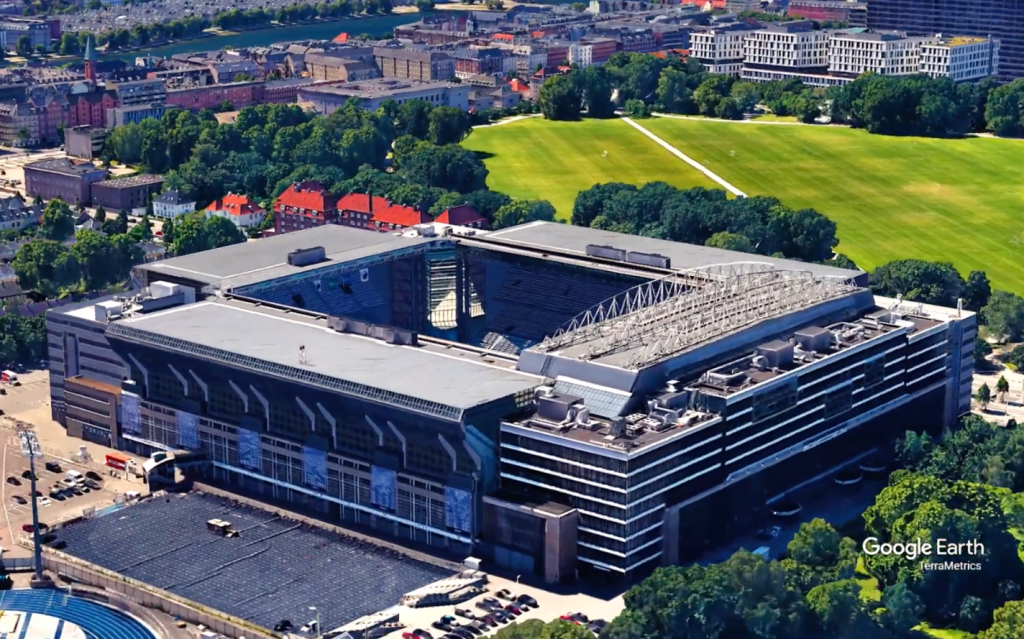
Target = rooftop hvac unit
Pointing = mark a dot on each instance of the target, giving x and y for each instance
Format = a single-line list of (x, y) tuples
[(760, 362), (617, 428), (543, 391), (583, 416), (635, 429)]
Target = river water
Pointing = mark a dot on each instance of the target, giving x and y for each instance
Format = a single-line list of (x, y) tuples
[(263, 37)]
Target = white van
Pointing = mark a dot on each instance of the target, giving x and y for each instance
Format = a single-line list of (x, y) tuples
[(73, 477)]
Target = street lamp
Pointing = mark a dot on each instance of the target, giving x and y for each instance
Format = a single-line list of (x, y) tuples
[(30, 449), (314, 609)]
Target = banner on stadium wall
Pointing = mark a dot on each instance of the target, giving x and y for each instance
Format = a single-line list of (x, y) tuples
[(458, 509), (383, 487), (249, 448), (188, 431), (131, 414), (314, 467)]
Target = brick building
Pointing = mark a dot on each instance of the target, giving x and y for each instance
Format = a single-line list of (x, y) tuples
[(63, 178), (131, 193), (304, 205), (377, 213), (239, 94)]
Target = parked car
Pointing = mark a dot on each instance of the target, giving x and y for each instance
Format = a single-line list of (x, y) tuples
[(13, 481), (462, 633), (408, 635), (464, 612), (285, 625), (28, 527), (53, 467), (596, 626), (93, 475), (501, 616), (95, 485), (489, 620), (490, 602), (439, 625), (577, 618), (528, 600), (18, 499), (514, 609), (422, 634), (45, 501), (26, 475), (449, 619), (505, 594)]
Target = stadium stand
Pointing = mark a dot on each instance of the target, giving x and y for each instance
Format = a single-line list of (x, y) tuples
[(274, 569)]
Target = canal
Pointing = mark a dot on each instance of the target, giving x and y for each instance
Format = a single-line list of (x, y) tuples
[(262, 37)]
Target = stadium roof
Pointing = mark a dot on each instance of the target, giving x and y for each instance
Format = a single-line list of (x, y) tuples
[(565, 237), (259, 260), (237, 333)]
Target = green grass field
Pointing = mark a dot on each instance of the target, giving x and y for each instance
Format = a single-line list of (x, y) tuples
[(892, 198), (554, 161)]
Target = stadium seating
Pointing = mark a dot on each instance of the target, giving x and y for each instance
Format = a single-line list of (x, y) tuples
[(96, 620), (273, 570), (329, 298)]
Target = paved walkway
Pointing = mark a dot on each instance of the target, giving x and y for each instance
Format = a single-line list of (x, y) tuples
[(685, 158), (674, 116)]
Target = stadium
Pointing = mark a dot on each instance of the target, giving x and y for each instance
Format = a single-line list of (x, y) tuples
[(556, 400)]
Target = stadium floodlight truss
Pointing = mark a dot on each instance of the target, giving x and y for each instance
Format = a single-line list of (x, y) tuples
[(668, 315)]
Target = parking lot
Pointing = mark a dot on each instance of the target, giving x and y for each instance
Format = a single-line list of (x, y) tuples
[(551, 606)]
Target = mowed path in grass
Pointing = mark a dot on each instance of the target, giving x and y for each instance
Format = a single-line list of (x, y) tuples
[(960, 201), (554, 161)]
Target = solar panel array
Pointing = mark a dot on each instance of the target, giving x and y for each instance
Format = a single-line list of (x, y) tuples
[(275, 569)]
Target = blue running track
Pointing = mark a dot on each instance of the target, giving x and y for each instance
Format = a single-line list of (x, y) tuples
[(98, 621)]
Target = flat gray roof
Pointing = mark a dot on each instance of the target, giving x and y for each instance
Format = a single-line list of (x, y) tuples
[(362, 364), (565, 237), (261, 260)]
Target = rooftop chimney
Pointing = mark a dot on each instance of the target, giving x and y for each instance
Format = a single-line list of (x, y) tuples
[(302, 355)]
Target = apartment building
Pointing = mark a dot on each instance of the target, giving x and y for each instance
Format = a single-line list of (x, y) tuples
[(412, 64), (239, 209), (1002, 19), (790, 45), (960, 59), (140, 92), (720, 49), (329, 67), (854, 53), (372, 93)]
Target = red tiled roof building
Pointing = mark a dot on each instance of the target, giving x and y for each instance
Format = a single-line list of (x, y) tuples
[(377, 213), (462, 215), (304, 205)]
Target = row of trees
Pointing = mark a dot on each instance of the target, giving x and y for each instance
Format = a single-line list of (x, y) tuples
[(891, 105), (761, 225), (270, 147), (22, 339)]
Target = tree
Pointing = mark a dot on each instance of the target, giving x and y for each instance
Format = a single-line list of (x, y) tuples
[(1002, 388), (984, 396), (977, 291), (194, 234), (168, 231), (45, 266), (101, 215), (58, 221), (982, 350), (730, 242), (1004, 109), (674, 93), (596, 85), (746, 95), (122, 222), (919, 281), (68, 44), (1004, 315), (635, 108), (522, 211), (23, 46), (97, 258), (1007, 622), (819, 545), (531, 629), (448, 125), (559, 99), (903, 609), (561, 629)]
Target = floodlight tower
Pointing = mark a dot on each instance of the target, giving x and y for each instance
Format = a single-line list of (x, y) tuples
[(30, 449)]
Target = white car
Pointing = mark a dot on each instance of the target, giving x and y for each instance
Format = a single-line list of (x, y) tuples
[(45, 501)]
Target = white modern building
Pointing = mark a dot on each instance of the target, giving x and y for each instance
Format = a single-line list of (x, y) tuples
[(854, 53), (720, 49), (960, 58), (793, 45), (171, 204)]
